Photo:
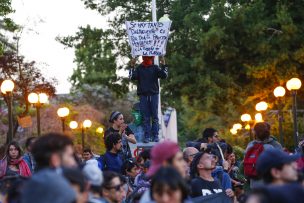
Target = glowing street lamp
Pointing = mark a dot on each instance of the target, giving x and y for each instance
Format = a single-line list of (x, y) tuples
[(246, 118), (258, 118), (37, 100), (99, 130), (73, 125), (279, 92), (261, 106), (293, 85), (86, 124), (63, 113), (7, 87), (237, 126), (233, 131)]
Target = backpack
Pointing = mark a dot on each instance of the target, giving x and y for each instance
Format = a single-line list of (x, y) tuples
[(250, 160)]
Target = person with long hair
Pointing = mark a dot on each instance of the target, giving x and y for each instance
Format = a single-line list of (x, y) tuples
[(13, 163)]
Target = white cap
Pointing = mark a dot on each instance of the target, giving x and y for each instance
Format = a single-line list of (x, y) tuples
[(93, 174)]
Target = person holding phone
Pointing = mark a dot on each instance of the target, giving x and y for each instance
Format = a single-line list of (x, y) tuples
[(119, 126)]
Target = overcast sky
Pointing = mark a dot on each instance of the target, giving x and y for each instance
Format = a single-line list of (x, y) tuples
[(49, 19)]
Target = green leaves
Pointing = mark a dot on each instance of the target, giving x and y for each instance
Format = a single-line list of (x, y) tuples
[(223, 56)]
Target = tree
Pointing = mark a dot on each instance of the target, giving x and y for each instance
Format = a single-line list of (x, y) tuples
[(27, 78), (225, 55), (96, 60), (6, 25)]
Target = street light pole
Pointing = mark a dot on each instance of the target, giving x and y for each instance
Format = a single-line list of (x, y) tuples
[(7, 87), (279, 92), (10, 117), (38, 118), (293, 85), (281, 119), (294, 114), (261, 107), (86, 124), (246, 118), (63, 113), (82, 137), (37, 100)]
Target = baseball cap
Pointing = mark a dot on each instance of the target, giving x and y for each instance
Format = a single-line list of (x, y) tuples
[(160, 153), (93, 174), (271, 158)]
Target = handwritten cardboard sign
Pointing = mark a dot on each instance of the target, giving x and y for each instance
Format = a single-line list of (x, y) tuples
[(148, 38)]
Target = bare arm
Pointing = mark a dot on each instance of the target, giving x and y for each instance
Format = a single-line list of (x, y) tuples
[(131, 138)]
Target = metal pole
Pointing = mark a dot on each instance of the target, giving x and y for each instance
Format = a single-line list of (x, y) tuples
[(294, 113), (38, 119), (82, 137), (10, 117), (156, 62), (280, 118)]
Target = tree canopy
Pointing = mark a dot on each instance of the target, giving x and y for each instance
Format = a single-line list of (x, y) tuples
[(6, 25), (224, 56)]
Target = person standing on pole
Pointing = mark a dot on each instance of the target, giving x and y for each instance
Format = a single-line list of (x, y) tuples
[(147, 75)]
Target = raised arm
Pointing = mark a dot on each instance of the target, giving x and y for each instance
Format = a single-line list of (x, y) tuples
[(133, 73), (163, 70)]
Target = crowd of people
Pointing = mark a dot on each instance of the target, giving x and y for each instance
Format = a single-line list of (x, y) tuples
[(206, 170)]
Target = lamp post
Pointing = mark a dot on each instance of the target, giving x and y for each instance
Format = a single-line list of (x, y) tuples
[(261, 106), (73, 125), (7, 88), (86, 124), (38, 100), (99, 130), (246, 118), (237, 126), (279, 92), (63, 113), (258, 118), (293, 85), (233, 131)]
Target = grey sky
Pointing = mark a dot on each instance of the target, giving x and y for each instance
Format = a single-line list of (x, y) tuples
[(49, 19)]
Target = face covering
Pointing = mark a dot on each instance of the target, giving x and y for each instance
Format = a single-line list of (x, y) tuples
[(147, 60)]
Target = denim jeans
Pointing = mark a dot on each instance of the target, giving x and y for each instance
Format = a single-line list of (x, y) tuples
[(149, 110)]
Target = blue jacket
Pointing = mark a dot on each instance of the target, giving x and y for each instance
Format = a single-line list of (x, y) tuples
[(29, 159), (222, 177), (110, 162)]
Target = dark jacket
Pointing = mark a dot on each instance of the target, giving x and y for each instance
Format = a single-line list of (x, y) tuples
[(147, 78)]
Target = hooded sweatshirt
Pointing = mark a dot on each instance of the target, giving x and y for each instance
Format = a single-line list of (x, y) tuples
[(147, 78), (267, 143)]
